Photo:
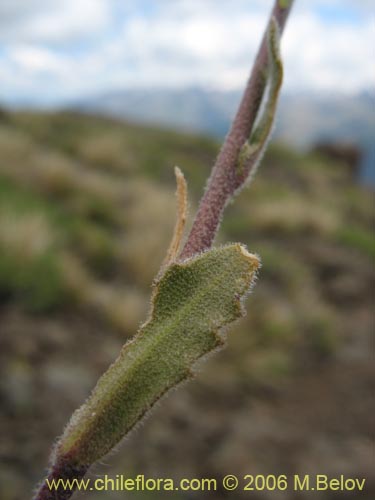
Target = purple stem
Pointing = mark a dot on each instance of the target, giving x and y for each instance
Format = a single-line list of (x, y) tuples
[(222, 185), (65, 470), (225, 179)]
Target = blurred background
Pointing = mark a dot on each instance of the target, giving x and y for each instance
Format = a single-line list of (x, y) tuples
[(99, 99)]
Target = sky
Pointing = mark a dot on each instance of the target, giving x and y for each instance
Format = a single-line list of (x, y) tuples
[(54, 52)]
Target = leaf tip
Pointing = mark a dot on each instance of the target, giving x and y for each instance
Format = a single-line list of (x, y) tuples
[(182, 208), (252, 258)]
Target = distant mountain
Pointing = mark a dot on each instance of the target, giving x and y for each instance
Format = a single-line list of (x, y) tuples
[(303, 119), (192, 109)]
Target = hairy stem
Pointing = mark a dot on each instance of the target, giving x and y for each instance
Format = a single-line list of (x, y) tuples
[(225, 179), (192, 300), (62, 470)]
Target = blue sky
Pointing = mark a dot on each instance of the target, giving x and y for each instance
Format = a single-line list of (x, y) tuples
[(57, 51)]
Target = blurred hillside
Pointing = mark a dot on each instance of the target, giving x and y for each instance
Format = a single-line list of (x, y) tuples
[(86, 213), (304, 119)]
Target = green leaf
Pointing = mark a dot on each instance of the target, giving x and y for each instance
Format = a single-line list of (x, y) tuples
[(192, 302), (252, 149)]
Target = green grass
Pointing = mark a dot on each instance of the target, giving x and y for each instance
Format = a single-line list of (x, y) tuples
[(22, 200), (105, 191), (35, 279), (358, 239), (29, 273), (37, 283)]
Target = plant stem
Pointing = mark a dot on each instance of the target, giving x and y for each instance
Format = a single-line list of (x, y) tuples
[(226, 180), (62, 470)]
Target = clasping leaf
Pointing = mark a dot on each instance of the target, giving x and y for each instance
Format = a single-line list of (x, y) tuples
[(192, 302)]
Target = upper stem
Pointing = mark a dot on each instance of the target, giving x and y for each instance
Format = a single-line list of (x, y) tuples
[(225, 179)]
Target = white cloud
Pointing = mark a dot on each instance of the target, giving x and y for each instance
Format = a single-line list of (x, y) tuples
[(322, 56), (35, 59), (57, 21), (177, 43)]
